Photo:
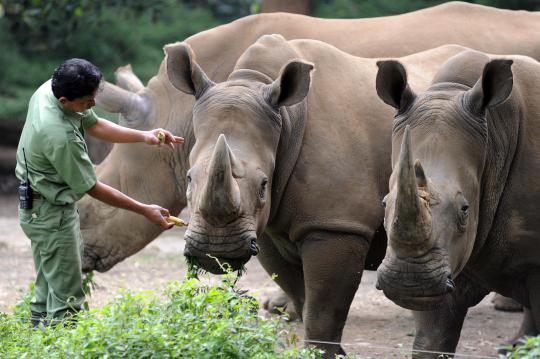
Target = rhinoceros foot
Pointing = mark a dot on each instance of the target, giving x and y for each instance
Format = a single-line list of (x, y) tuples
[(506, 304), (508, 346), (281, 304), (526, 330)]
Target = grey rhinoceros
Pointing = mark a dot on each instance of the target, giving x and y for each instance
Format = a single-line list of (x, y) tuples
[(462, 215), (302, 157), (159, 175)]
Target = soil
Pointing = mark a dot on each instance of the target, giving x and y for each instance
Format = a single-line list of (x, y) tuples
[(376, 327)]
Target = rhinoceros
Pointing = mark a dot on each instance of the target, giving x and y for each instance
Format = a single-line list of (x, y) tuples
[(462, 213), (302, 157), (159, 175)]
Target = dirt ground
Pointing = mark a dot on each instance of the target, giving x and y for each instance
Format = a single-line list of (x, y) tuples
[(376, 327)]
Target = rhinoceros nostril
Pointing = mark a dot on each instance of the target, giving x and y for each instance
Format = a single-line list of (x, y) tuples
[(450, 285), (254, 248)]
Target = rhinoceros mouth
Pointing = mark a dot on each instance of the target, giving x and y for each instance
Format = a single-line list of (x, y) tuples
[(97, 258), (418, 299), (419, 283), (216, 254), (216, 265)]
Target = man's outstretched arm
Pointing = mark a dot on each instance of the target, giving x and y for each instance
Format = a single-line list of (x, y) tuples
[(113, 197), (111, 132)]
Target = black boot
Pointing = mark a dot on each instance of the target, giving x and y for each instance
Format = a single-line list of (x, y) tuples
[(67, 318), (38, 317)]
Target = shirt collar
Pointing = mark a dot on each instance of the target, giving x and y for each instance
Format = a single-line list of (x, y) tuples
[(52, 98)]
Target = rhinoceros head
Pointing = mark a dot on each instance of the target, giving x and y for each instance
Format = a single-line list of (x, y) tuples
[(149, 174), (438, 156), (237, 128)]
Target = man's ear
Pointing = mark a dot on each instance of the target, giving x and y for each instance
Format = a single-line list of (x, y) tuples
[(291, 86), (493, 88), (183, 72), (392, 85)]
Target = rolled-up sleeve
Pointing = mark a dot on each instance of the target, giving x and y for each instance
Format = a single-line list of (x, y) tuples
[(89, 118), (72, 163)]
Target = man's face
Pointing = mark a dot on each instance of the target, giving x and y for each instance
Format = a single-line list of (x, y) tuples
[(79, 104)]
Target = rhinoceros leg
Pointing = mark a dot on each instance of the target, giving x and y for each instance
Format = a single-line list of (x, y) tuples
[(439, 330), (531, 317), (533, 287), (289, 278), (333, 264), (527, 329)]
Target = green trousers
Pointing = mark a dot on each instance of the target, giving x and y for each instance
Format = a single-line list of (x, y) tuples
[(56, 238)]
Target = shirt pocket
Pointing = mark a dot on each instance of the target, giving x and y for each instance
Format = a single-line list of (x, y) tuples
[(61, 221), (68, 216)]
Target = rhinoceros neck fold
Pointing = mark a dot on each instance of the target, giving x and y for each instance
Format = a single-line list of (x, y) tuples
[(504, 123), (290, 143)]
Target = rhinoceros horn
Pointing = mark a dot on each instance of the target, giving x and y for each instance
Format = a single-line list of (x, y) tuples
[(132, 106), (126, 79), (410, 235), (220, 201)]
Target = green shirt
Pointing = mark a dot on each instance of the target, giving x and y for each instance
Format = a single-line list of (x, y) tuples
[(53, 140)]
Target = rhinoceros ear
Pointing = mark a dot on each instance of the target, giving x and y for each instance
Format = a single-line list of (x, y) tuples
[(492, 88), (392, 86), (291, 86), (183, 72)]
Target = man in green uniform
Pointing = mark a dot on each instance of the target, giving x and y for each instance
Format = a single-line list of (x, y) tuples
[(52, 155)]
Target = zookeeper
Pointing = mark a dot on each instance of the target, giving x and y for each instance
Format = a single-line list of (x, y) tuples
[(52, 156)]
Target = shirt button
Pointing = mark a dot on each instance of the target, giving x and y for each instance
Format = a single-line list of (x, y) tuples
[(34, 215)]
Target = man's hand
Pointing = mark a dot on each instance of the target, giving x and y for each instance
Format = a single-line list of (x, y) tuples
[(160, 136), (157, 215), (114, 197)]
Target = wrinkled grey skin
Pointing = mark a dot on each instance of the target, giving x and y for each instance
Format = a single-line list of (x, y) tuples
[(462, 213), (158, 175), (291, 160)]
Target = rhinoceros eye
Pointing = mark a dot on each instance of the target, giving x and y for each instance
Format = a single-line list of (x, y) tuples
[(262, 189), (463, 217)]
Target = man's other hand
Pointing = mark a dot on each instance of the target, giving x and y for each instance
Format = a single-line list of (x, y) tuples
[(160, 136)]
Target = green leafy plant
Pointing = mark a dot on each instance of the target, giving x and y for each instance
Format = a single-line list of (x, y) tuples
[(88, 285), (49, 25), (188, 319), (528, 349), (194, 270), (21, 310)]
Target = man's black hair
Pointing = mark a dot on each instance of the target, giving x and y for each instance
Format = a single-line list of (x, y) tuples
[(75, 78)]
